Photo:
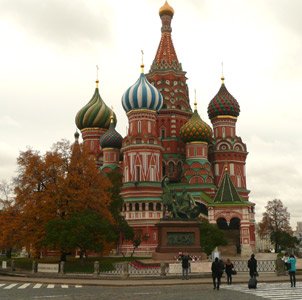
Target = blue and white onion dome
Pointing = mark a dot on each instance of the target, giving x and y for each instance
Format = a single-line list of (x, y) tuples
[(142, 95)]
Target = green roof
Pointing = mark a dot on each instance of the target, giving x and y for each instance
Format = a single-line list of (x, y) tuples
[(227, 192)]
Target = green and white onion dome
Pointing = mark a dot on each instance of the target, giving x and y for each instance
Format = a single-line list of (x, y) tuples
[(95, 114)]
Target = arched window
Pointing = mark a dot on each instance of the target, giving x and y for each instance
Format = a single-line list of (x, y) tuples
[(164, 169), (158, 206), (163, 133), (130, 206), (223, 132), (151, 206), (171, 168), (137, 173), (179, 169), (149, 127), (136, 207)]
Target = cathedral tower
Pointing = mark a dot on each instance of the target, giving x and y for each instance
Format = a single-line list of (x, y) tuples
[(167, 76), (142, 162)]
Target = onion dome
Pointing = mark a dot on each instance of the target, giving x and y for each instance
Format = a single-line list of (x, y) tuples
[(196, 130), (76, 136), (223, 104), (95, 113), (111, 138), (166, 9), (142, 95)]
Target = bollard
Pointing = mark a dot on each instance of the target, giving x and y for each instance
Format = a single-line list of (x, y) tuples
[(96, 268), (34, 268), (163, 269), (62, 267), (125, 272), (12, 265)]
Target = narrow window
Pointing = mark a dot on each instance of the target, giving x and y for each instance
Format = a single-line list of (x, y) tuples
[(139, 126)]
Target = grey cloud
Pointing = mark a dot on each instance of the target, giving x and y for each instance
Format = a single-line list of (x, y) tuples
[(62, 22)]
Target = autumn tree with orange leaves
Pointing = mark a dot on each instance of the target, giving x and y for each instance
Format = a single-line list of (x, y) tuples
[(9, 220), (54, 186)]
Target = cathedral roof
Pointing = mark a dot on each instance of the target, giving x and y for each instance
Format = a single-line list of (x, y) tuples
[(223, 104), (111, 138), (166, 57), (95, 113), (227, 192), (196, 130), (142, 95)]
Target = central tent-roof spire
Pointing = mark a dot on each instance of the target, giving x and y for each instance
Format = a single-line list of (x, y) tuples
[(166, 57)]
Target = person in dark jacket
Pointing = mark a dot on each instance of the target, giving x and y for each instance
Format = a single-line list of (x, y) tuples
[(229, 270), (252, 265), (185, 263), (217, 271)]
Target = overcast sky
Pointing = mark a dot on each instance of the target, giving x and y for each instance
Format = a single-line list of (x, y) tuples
[(49, 50)]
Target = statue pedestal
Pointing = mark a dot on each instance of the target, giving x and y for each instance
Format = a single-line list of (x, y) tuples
[(176, 236)]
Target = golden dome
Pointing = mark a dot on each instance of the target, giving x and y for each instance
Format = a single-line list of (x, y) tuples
[(166, 9)]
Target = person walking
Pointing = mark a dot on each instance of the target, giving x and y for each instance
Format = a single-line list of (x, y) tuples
[(185, 258), (292, 270), (229, 269), (217, 271), (252, 265)]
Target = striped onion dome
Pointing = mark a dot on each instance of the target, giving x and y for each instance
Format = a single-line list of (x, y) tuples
[(223, 104), (111, 138), (142, 95), (95, 113), (196, 130)]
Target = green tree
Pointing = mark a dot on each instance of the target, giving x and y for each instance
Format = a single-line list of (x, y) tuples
[(285, 240), (86, 230), (211, 237), (122, 229), (275, 220)]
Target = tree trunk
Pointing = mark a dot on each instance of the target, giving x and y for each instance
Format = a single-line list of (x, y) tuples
[(63, 256), (8, 253)]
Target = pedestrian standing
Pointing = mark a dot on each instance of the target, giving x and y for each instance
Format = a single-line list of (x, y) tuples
[(217, 271), (292, 270), (252, 265), (185, 263), (229, 269)]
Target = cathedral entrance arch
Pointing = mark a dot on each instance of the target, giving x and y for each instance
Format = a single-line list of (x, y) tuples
[(222, 223), (234, 233)]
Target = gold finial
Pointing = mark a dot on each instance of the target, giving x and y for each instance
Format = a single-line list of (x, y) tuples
[(142, 65), (195, 101), (97, 76), (222, 76)]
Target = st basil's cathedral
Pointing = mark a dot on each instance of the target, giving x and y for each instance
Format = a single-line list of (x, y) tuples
[(168, 142)]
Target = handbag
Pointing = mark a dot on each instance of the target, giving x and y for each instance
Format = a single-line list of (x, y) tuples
[(234, 272)]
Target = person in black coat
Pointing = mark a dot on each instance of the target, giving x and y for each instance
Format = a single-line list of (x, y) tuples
[(252, 265), (185, 263), (229, 270), (217, 271)]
